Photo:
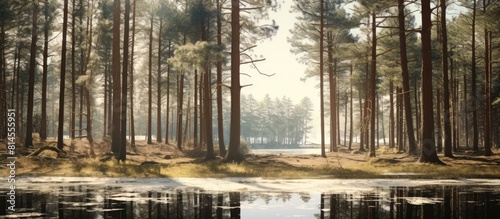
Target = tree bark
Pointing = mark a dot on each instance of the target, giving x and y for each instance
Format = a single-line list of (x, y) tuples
[(116, 139), (446, 91), (373, 86), (406, 80), (180, 101), (439, 137), (150, 79), (31, 83), (60, 128), (391, 114), (429, 154), (350, 110), (72, 120), (131, 96), (123, 122), (333, 93), (195, 119), (158, 84), (487, 88), (220, 116), (43, 121), (322, 107), (168, 96), (475, 137), (234, 154)]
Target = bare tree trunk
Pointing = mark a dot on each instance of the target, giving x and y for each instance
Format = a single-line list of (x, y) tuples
[(350, 110), (400, 138), (321, 82), (333, 93), (234, 153), (439, 140), (60, 128), (195, 118), (150, 79), (168, 96), (446, 92), (466, 107), (105, 129), (31, 83), (123, 124), (43, 122), (72, 120), (180, 101), (475, 138), (86, 91), (132, 126), (487, 90), (406, 80), (391, 114), (158, 84), (345, 118), (429, 154), (116, 140), (373, 86), (220, 118)]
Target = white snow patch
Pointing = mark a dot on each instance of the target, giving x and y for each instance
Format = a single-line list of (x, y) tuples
[(137, 185)]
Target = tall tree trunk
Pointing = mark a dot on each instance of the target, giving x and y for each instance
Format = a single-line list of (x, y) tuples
[(86, 90), (110, 97), (43, 121), (207, 98), (31, 82), (439, 137), (116, 139), (429, 154), (401, 144), (345, 117), (60, 126), (131, 73), (106, 100), (321, 82), (487, 88), (208, 115), (180, 101), (72, 120), (446, 92), (373, 86), (475, 137), (123, 130), (391, 114), (333, 93), (158, 84), (466, 109), (361, 122), (150, 78), (220, 116), (168, 96), (195, 118), (350, 109), (406, 80), (234, 153)]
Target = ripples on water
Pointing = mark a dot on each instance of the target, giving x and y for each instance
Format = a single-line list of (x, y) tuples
[(91, 201)]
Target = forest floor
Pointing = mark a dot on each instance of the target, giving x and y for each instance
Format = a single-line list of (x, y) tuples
[(161, 160)]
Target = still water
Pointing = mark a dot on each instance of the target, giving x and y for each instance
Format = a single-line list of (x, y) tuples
[(118, 200)]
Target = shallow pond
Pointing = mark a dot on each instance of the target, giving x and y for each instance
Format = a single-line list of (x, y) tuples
[(251, 198)]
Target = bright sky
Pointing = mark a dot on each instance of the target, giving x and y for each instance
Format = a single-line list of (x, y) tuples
[(288, 71)]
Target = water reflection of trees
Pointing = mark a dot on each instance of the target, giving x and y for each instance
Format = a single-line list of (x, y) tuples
[(406, 202), (395, 202)]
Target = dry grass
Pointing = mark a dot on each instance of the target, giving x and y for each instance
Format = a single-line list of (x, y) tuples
[(151, 161)]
